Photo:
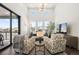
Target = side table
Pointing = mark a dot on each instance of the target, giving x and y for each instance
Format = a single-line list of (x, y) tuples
[(37, 44)]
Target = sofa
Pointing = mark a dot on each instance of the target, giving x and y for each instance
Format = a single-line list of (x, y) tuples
[(56, 43)]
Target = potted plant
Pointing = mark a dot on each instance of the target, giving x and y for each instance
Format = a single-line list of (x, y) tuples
[(51, 28)]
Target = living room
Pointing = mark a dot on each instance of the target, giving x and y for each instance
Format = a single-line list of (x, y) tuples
[(49, 21)]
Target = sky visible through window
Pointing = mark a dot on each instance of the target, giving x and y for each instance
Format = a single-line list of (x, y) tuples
[(5, 23)]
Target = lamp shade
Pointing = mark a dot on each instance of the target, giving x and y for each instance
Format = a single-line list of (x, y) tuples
[(40, 33)]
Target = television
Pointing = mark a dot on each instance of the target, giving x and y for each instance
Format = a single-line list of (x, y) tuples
[(63, 28)]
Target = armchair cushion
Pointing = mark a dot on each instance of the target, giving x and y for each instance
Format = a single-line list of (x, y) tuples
[(57, 36)]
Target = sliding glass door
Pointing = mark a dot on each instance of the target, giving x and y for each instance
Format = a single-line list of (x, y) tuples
[(9, 26), (4, 27), (14, 25)]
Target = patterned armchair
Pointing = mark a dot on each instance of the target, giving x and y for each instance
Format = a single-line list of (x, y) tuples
[(23, 44), (28, 44), (56, 43), (18, 43)]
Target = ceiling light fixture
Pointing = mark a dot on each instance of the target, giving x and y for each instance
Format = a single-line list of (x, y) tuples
[(43, 6)]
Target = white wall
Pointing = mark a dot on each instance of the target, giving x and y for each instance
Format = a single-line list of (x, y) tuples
[(68, 13), (21, 10)]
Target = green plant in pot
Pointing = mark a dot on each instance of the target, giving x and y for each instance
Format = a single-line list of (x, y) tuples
[(51, 28)]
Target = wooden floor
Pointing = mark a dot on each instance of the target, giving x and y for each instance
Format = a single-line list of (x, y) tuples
[(8, 51), (71, 51), (68, 51)]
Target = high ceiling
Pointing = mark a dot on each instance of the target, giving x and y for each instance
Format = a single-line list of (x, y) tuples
[(4, 12), (19, 8), (36, 13), (39, 5)]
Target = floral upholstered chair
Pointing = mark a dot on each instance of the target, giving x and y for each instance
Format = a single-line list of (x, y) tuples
[(56, 43), (23, 44), (18, 43)]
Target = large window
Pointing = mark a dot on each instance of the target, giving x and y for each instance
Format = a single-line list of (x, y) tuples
[(5, 31), (33, 23), (14, 25), (40, 24), (4, 27), (9, 26), (46, 23)]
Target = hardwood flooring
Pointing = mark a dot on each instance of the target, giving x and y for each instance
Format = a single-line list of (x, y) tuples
[(68, 51), (71, 51)]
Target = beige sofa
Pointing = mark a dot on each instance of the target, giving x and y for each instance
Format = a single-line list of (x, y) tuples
[(56, 43)]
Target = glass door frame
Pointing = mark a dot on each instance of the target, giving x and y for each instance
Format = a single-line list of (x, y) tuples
[(19, 27)]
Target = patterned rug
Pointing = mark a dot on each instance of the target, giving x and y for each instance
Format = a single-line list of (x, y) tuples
[(41, 52), (46, 52)]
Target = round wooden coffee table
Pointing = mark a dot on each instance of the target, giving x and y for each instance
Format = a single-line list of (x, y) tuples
[(39, 45)]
